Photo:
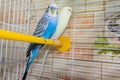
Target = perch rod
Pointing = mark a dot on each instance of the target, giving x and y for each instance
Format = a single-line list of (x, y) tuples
[(62, 44)]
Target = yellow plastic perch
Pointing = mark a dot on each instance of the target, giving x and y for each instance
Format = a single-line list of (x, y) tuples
[(62, 44)]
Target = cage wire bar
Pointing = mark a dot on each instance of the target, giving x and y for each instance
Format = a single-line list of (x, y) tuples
[(89, 19)]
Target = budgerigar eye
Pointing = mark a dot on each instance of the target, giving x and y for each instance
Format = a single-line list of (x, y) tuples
[(69, 9)]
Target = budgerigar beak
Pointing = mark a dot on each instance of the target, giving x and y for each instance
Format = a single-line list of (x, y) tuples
[(52, 11)]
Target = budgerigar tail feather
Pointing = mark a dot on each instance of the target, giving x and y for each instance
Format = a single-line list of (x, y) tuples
[(32, 45), (26, 71), (25, 74)]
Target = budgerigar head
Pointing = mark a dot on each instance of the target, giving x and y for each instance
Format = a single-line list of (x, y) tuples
[(52, 10), (67, 10)]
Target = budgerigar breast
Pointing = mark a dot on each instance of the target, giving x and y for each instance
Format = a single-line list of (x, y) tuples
[(51, 28)]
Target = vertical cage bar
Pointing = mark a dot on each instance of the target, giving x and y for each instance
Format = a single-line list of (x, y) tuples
[(73, 43), (25, 15), (2, 40), (21, 31), (8, 29), (28, 19), (13, 28), (17, 43), (3, 27)]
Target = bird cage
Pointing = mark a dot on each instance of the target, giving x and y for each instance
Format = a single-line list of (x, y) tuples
[(93, 30)]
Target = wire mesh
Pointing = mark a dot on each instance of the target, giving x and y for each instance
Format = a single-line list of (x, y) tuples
[(94, 32)]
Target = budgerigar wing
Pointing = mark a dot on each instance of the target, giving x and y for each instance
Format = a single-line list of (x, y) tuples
[(39, 31)]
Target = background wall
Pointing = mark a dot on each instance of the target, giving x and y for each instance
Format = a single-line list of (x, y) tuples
[(89, 19)]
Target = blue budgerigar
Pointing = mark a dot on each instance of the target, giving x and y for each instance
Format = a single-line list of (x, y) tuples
[(45, 28)]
